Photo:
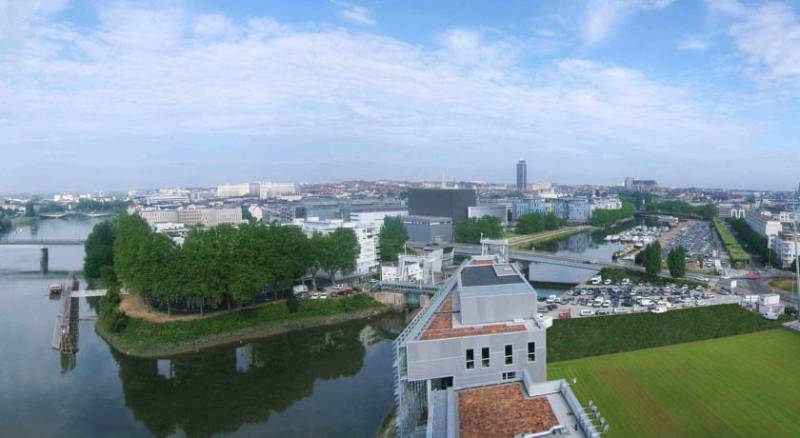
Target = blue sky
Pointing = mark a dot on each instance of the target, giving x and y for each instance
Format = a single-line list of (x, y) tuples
[(110, 95)]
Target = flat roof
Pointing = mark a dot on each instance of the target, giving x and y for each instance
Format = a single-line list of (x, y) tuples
[(489, 275), (441, 326), (503, 411)]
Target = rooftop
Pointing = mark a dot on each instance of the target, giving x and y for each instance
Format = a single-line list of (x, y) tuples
[(441, 326), (503, 411)]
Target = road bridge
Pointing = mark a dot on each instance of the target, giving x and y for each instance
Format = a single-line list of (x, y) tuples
[(584, 263), (44, 245)]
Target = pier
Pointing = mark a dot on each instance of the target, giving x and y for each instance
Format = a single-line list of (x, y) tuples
[(65, 331)]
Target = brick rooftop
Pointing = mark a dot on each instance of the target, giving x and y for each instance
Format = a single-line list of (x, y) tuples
[(502, 411), (441, 326)]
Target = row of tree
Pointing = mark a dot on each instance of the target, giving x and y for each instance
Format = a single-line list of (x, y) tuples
[(754, 242), (216, 265), (603, 217), (530, 223), (705, 211), (472, 229), (5, 223)]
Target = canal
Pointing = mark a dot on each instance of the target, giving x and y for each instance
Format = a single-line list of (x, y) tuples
[(332, 381)]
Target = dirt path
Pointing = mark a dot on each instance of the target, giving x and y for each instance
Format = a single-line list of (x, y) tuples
[(136, 307)]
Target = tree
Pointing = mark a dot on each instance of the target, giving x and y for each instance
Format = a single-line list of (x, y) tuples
[(317, 252), (471, 230), (340, 253), (650, 258), (5, 223), (131, 232), (99, 249), (246, 215), (392, 238), (530, 223), (676, 262), (29, 210)]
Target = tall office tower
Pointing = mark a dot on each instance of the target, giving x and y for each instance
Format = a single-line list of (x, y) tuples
[(522, 175)]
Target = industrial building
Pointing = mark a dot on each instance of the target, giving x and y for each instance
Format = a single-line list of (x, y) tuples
[(443, 202), (426, 229), (473, 362)]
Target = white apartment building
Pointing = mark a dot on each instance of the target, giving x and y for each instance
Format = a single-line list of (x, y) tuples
[(238, 190), (267, 189), (367, 235), (375, 218), (784, 245), (764, 225), (193, 215)]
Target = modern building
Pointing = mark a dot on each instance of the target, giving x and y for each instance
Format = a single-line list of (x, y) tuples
[(375, 218), (783, 244), (238, 190), (473, 362), (426, 229), (193, 215), (500, 211), (522, 175), (367, 235), (443, 202), (763, 224), (521, 206), (268, 190)]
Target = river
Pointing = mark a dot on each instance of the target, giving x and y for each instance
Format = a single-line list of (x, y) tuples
[(331, 381)]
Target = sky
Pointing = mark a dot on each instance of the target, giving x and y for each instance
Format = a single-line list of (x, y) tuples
[(112, 95)]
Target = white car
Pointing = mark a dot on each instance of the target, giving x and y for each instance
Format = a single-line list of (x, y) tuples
[(587, 312)]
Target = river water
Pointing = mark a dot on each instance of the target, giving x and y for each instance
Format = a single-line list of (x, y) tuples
[(332, 381)]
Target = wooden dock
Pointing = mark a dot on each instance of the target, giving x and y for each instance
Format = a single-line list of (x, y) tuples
[(65, 331)]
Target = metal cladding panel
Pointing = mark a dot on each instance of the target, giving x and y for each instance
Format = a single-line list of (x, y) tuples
[(497, 308), (452, 203), (447, 357)]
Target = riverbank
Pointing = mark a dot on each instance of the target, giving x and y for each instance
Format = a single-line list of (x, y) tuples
[(529, 240), (145, 339)]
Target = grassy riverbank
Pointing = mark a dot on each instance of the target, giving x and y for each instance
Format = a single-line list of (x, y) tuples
[(147, 339)]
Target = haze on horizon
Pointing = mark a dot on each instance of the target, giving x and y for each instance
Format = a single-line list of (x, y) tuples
[(113, 95)]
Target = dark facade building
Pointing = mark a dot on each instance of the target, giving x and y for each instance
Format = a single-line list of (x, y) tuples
[(522, 175), (452, 203), (427, 229)]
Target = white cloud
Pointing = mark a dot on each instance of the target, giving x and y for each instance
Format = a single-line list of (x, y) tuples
[(604, 17), (354, 13), (153, 80), (693, 43)]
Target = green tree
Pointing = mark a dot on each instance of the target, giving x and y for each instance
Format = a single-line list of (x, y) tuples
[(471, 230), (246, 215), (29, 210), (341, 252), (530, 223), (318, 248), (392, 238), (5, 223), (650, 258), (131, 232), (676, 262), (99, 250)]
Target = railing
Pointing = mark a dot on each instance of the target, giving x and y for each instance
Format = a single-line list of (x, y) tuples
[(585, 423)]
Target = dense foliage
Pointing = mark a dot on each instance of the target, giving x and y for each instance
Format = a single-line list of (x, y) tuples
[(530, 223), (51, 207), (219, 265), (601, 217), (392, 238), (582, 337), (650, 258), (29, 210), (471, 230), (706, 211), (90, 205), (676, 261), (754, 242), (739, 257), (5, 223), (98, 263), (638, 199)]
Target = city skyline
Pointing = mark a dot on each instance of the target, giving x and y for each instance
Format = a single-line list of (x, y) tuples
[(198, 93)]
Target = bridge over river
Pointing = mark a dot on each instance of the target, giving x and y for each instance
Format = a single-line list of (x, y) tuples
[(43, 244)]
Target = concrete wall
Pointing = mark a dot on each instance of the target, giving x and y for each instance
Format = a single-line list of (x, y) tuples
[(447, 357), (392, 299), (492, 308)]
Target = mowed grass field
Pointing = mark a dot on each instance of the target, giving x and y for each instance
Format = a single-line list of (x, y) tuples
[(746, 385)]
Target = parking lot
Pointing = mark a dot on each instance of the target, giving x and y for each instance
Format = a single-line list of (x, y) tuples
[(621, 298), (700, 243)]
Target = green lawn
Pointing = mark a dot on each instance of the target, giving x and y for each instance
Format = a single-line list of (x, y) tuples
[(747, 385)]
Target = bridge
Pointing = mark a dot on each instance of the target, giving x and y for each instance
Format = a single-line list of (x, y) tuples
[(584, 263), (43, 242)]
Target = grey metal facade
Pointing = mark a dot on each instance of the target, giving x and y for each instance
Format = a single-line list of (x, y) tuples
[(452, 203), (426, 229)]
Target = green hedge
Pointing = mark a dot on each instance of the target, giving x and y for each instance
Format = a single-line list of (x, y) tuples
[(583, 337), (737, 254)]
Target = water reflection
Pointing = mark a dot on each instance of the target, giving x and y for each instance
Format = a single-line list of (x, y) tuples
[(221, 389)]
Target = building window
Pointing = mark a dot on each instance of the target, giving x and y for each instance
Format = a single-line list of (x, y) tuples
[(509, 355), (531, 351), (485, 357), (470, 359), (509, 375)]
